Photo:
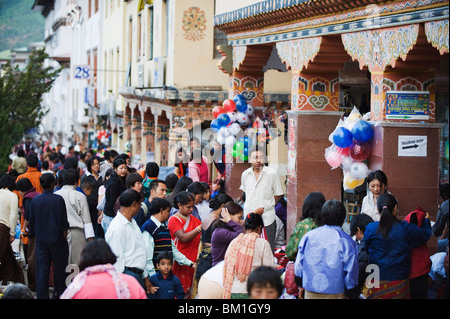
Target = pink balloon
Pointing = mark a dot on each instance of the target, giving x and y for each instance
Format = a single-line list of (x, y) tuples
[(359, 151), (334, 159)]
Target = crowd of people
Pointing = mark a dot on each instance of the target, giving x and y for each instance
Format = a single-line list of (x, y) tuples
[(93, 227)]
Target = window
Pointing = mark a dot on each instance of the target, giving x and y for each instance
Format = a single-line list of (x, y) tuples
[(150, 33)]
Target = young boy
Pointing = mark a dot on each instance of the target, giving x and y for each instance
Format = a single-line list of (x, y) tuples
[(168, 286), (264, 283)]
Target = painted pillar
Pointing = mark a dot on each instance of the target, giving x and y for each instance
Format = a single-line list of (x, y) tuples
[(313, 116)]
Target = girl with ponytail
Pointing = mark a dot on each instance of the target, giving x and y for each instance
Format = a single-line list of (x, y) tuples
[(389, 243)]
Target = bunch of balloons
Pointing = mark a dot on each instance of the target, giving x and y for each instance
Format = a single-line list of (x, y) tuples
[(350, 149), (103, 136), (229, 121)]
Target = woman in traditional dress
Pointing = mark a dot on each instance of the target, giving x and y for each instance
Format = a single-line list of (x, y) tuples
[(245, 253), (185, 231), (389, 243)]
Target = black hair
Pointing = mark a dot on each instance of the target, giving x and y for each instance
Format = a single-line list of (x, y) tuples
[(181, 185), (253, 221), (132, 179), (17, 291), (70, 177), (96, 252), (206, 187), (32, 160), (118, 161), (157, 205), (359, 221), (165, 255), (443, 191), (47, 180), (8, 182), (379, 175), (196, 188), (20, 152), (152, 169), (183, 198), (312, 206), (333, 213), (385, 205), (71, 162), (90, 161), (232, 207), (129, 196), (264, 276), (155, 183), (24, 185), (87, 185), (45, 165), (60, 176), (219, 200), (171, 181)]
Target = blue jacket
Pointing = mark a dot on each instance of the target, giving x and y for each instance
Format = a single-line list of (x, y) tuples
[(169, 288), (393, 253)]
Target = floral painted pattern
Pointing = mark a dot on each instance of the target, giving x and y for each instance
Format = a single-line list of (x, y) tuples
[(194, 24)]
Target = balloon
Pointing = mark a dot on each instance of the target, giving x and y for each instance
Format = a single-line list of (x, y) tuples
[(217, 111), (359, 170), (334, 159), (359, 151), (243, 118), (215, 127), (350, 183), (342, 137), (229, 105), (239, 146), (347, 162), (243, 157), (220, 139), (232, 116), (234, 128), (241, 103), (362, 131), (250, 110), (230, 140), (223, 119), (343, 151), (224, 131), (234, 153)]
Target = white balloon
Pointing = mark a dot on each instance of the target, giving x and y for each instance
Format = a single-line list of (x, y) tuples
[(234, 129), (224, 131), (359, 170), (230, 140), (250, 110), (347, 162), (243, 118), (233, 116), (220, 139)]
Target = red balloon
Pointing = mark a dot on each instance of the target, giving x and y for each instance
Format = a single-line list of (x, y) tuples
[(343, 151), (359, 151), (229, 105), (217, 111)]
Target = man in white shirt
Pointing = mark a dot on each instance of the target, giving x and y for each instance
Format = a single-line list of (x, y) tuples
[(262, 188), (126, 240), (78, 215)]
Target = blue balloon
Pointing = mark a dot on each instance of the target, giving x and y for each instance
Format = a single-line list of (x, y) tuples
[(215, 127), (241, 103), (342, 137), (223, 119), (362, 131)]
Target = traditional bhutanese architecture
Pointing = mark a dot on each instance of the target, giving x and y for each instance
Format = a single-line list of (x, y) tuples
[(331, 46)]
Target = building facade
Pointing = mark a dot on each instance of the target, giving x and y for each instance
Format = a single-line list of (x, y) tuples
[(364, 50)]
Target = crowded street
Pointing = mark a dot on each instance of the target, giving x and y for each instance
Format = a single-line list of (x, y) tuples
[(222, 150)]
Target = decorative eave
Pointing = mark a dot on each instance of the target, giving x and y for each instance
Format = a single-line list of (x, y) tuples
[(274, 12), (283, 24)]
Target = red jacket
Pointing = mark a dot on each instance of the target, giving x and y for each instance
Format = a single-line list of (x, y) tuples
[(420, 256)]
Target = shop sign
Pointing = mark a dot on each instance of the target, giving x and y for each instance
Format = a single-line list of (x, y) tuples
[(411, 145), (407, 105)]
